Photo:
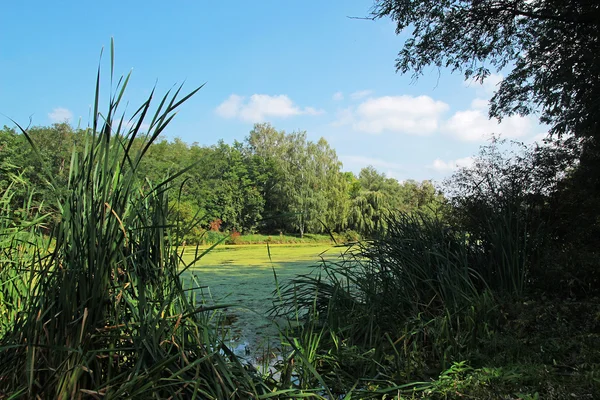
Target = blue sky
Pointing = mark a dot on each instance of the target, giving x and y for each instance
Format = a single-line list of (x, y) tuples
[(300, 65)]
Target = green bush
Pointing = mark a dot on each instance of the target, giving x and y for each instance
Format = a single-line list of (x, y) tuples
[(213, 237)]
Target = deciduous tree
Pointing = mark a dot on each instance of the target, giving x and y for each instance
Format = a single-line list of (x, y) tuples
[(551, 49)]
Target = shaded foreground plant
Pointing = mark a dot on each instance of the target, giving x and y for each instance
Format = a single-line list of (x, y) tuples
[(101, 311), (402, 307)]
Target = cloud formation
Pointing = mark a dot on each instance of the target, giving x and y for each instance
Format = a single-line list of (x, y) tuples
[(473, 124), (60, 115), (338, 96), (260, 107), (448, 166), (400, 114)]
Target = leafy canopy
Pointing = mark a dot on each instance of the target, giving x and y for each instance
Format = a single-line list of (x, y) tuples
[(552, 46)]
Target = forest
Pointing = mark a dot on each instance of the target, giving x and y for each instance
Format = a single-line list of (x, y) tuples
[(274, 182), (489, 291)]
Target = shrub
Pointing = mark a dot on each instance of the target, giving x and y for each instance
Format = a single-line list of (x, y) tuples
[(215, 225), (233, 238), (508, 202)]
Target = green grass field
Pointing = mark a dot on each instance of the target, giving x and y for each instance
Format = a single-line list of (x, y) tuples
[(243, 276), (283, 239)]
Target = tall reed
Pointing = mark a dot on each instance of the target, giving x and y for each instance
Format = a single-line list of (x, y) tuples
[(101, 311), (394, 307)]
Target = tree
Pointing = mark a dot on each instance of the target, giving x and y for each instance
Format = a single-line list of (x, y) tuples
[(334, 185), (302, 186), (309, 169), (265, 148), (223, 185), (421, 197), (553, 47), (371, 202), (11, 156), (518, 205)]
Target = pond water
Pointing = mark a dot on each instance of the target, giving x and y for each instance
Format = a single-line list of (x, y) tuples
[(248, 289)]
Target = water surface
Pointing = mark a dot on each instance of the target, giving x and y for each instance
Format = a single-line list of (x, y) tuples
[(246, 278)]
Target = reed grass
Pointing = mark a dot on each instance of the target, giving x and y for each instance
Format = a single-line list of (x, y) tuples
[(93, 305), (409, 303), (97, 309)]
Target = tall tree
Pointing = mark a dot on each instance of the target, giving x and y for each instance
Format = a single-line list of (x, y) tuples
[(335, 186), (553, 47), (370, 202), (265, 148), (303, 189)]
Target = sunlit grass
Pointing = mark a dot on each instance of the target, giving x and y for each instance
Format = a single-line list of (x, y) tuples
[(283, 239)]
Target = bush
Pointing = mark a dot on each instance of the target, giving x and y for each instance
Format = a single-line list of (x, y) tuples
[(213, 237), (233, 238), (418, 284), (518, 206)]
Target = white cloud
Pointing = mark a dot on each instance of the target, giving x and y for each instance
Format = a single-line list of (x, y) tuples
[(230, 107), (480, 104), (447, 166), (422, 115), (338, 96), (360, 94), (474, 125), (59, 115), (402, 114), (259, 107)]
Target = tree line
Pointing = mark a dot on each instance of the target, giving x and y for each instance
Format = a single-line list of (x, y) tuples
[(272, 182)]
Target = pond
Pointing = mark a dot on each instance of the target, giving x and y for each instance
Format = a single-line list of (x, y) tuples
[(244, 276)]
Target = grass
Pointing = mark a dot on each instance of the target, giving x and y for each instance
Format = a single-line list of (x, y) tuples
[(99, 302), (412, 314), (103, 313), (217, 237), (283, 239)]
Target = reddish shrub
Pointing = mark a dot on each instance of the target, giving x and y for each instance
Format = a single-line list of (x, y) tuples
[(215, 225)]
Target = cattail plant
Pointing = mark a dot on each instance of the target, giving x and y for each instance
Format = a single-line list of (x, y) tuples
[(97, 309)]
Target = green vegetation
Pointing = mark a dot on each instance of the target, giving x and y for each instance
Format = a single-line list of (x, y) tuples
[(243, 277), (93, 304), (490, 293), (478, 303), (259, 255), (235, 238), (276, 183)]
